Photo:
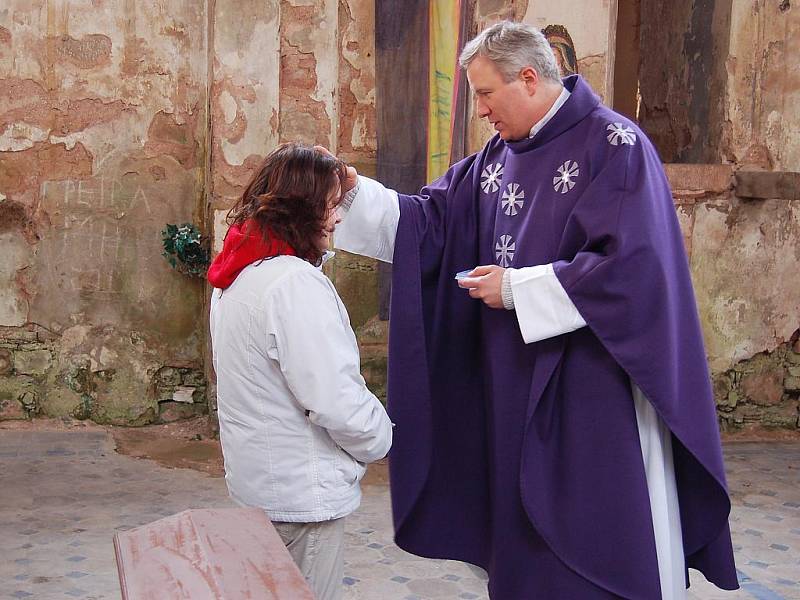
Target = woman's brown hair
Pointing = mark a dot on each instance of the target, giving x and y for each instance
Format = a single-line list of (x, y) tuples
[(288, 197)]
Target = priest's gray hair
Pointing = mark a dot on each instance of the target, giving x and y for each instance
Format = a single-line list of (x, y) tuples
[(512, 47)]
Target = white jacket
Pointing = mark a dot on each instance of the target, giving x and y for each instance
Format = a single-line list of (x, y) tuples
[(297, 422)]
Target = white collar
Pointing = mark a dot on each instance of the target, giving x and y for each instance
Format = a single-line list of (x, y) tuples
[(329, 254), (562, 98)]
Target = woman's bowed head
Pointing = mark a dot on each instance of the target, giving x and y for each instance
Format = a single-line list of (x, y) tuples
[(292, 200)]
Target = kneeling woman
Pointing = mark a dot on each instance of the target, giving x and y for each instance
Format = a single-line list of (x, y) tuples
[(297, 422)]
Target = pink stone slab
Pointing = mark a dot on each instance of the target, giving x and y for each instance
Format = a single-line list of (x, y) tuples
[(208, 554)]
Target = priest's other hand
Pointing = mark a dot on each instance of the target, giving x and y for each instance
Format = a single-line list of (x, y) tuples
[(485, 283), (352, 175)]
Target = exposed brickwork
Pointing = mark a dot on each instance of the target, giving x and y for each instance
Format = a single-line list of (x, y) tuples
[(87, 52), (24, 171), (229, 181), (357, 118), (762, 390), (302, 116), (166, 136)]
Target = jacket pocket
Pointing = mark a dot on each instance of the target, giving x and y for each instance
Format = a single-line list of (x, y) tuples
[(350, 470)]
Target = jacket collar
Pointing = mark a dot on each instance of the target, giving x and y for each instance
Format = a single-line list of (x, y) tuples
[(244, 244)]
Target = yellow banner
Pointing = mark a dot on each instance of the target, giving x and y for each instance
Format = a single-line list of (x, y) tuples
[(443, 45)]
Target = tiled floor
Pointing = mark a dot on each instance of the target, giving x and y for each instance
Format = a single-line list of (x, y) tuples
[(63, 494)]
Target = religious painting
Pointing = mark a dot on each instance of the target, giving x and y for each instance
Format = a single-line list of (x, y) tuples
[(563, 47)]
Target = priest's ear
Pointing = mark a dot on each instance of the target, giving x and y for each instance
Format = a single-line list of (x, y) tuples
[(530, 78)]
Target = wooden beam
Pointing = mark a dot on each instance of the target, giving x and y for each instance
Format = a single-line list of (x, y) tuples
[(401, 69)]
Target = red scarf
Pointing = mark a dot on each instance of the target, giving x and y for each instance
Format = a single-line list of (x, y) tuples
[(243, 246)]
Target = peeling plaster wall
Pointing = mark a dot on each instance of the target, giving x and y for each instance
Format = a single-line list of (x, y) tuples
[(309, 71), (720, 81), (102, 139), (277, 79), (105, 137), (763, 86), (356, 277), (357, 137), (245, 84), (116, 118)]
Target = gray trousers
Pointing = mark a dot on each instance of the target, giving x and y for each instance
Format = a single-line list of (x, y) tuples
[(318, 550)]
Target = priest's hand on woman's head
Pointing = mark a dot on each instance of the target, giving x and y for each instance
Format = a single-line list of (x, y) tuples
[(352, 175), (485, 283)]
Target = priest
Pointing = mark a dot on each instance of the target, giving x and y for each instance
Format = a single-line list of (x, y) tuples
[(555, 423)]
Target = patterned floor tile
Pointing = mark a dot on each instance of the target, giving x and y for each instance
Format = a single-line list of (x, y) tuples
[(66, 493)]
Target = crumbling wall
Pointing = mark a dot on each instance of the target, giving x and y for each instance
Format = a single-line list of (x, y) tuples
[(744, 255), (720, 82), (116, 118), (294, 70), (762, 107), (102, 141), (244, 102), (682, 76)]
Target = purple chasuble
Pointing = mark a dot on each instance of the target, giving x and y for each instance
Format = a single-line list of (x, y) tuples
[(525, 459)]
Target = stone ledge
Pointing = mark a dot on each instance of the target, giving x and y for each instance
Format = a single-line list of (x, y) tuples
[(763, 185), (699, 180)]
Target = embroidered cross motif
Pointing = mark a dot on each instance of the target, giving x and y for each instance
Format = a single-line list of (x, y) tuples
[(620, 134), (490, 178), (565, 180), (512, 199), (504, 250)]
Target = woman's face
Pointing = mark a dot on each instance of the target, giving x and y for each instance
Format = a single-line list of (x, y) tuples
[(332, 219)]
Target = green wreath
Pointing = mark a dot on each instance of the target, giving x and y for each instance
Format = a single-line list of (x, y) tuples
[(185, 249)]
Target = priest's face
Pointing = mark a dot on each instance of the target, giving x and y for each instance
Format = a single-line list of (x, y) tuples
[(508, 106)]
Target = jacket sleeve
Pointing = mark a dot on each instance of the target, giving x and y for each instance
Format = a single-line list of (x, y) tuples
[(318, 356)]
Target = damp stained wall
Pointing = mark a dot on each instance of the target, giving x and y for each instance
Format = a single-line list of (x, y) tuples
[(762, 108), (102, 142), (744, 254), (720, 85), (118, 117)]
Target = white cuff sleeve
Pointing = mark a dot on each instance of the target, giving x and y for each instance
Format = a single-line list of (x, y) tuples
[(544, 309), (505, 290), (369, 224), (349, 196)]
